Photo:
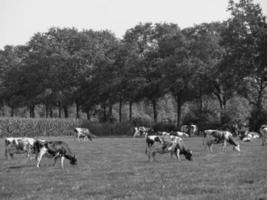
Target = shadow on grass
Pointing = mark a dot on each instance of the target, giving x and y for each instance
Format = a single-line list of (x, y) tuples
[(20, 166)]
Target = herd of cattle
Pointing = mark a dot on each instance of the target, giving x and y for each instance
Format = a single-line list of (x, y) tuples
[(167, 142)]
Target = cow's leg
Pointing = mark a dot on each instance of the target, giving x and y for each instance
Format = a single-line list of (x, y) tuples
[(40, 155), (148, 154), (56, 158), (11, 155), (178, 154), (153, 155), (28, 152), (224, 145), (62, 162), (78, 138), (210, 148), (146, 150), (6, 152)]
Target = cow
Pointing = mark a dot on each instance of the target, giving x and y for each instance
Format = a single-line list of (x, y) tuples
[(19, 145), (249, 136), (140, 131), (176, 147), (151, 140), (54, 149), (216, 136), (179, 134), (191, 129), (84, 133), (263, 132)]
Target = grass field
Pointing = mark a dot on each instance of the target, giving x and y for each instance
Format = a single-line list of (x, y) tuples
[(117, 168)]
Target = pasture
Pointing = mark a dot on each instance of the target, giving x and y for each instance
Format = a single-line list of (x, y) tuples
[(117, 168)]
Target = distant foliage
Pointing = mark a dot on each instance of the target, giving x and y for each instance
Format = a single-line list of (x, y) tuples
[(108, 129)]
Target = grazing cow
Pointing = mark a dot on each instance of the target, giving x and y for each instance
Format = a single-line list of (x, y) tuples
[(19, 145), (263, 132), (179, 134), (164, 133), (249, 136), (151, 140), (140, 131), (84, 133), (191, 129), (175, 147), (56, 149), (216, 136)]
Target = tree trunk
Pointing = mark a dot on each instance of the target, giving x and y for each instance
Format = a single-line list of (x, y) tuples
[(59, 109), (46, 110), (222, 101), (130, 110), (110, 112), (120, 110), (200, 100), (260, 95), (77, 110), (104, 113), (32, 109), (88, 115), (12, 111), (50, 111), (66, 112), (155, 112), (178, 111)]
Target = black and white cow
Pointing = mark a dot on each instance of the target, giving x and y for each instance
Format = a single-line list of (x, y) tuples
[(179, 134), (173, 133), (191, 129), (54, 149), (141, 131), (83, 133), (176, 147), (212, 137), (263, 132), (19, 145), (249, 136), (151, 140)]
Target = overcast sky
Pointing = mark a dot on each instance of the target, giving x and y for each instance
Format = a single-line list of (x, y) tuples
[(20, 19)]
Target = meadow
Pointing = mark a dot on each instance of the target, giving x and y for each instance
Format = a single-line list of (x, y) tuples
[(117, 168)]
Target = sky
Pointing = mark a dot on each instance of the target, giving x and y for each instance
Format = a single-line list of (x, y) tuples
[(21, 19)]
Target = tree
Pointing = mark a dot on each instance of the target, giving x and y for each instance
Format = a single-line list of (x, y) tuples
[(245, 42), (144, 41), (11, 68)]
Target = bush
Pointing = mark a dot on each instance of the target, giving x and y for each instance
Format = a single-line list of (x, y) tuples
[(257, 118), (163, 126), (108, 129)]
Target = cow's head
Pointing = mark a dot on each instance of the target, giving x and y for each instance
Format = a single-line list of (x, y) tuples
[(73, 160), (188, 154), (237, 148)]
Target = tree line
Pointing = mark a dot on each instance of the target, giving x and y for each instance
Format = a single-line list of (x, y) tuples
[(95, 70)]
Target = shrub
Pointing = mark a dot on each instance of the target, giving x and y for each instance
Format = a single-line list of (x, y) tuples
[(108, 129)]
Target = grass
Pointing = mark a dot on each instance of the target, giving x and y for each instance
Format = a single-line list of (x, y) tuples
[(117, 168)]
